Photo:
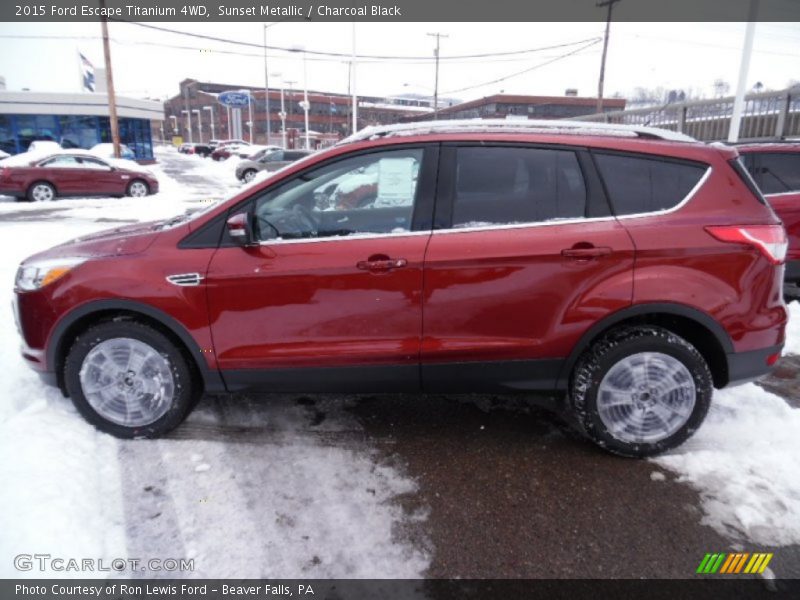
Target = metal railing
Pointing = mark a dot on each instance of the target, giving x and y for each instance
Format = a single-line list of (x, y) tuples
[(766, 116)]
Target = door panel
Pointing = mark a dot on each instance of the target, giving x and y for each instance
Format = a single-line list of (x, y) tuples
[(517, 272), (333, 284), (310, 304), (522, 293)]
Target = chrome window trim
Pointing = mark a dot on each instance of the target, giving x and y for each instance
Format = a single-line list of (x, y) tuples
[(791, 193), (572, 221), (344, 238), (680, 204)]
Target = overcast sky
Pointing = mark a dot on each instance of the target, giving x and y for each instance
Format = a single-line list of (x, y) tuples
[(147, 63)]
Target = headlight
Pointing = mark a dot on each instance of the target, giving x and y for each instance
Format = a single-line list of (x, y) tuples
[(36, 275)]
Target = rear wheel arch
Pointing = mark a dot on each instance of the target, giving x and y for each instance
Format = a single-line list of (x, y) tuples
[(38, 182), (85, 316), (696, 327)]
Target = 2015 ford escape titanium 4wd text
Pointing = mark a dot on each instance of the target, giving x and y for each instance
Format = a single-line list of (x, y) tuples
[(626, 271)]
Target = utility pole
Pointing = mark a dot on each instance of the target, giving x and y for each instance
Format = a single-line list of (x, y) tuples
[(610, 4), (437, 35), (354, 111), (112, 97)]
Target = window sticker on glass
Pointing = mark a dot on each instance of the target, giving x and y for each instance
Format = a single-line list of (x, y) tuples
[(396, 181)]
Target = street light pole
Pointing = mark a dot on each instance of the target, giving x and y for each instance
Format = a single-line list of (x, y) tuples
[(744, 68), (306, 105), (199, 124), (283, 118), (437, 35), (266, 84), (211, 109), (188, 114)]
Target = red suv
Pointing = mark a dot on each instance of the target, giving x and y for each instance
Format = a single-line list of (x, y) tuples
[(776, 169), (624, 271)]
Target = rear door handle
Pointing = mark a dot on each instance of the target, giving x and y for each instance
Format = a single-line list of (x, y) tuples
[(381, 264), (586, 253)]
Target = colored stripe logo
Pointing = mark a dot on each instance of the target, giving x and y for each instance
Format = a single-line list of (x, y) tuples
[(734, 563)]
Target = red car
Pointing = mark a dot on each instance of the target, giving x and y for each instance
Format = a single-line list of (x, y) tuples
[(72, 174), (625, 272), (775, 167)]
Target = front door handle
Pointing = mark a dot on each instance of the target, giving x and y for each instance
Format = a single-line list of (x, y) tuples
[(586, 253), (377, 264)]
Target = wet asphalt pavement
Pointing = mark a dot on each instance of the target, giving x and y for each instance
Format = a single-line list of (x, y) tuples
[(514, 494)]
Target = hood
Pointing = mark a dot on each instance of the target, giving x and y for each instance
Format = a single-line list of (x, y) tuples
[(120, 241)]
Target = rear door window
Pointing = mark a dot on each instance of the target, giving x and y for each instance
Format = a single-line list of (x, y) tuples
[(511, 185), (777, 173), (642, 185)]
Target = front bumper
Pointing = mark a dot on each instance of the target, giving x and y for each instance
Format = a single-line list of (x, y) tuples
[(747, 366)]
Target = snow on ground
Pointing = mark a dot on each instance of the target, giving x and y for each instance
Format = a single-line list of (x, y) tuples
[(793, 329), (745, 461), (300, 498)]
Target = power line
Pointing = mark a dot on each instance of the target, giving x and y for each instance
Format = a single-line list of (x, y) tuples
[(344, 54), (528, 70)]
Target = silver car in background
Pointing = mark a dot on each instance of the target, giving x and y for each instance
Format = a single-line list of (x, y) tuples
[(268, 161)]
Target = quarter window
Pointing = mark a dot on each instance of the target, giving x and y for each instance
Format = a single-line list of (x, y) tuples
[(372, 193), (777, 173), (642, 185), (503, 186)]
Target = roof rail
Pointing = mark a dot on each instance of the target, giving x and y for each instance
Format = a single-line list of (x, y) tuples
[(514, 126)]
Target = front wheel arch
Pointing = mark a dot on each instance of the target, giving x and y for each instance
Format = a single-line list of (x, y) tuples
[(81, 318)]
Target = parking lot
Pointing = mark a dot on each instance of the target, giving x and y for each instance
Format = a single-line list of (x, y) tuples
[(380, 486)]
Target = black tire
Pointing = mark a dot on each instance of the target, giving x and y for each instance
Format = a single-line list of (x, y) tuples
[(135, 181), (620, 343), (32, 190), (245, 174), (186, 385)]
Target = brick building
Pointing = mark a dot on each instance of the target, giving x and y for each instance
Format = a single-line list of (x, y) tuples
[(329, 113), (502, 106)]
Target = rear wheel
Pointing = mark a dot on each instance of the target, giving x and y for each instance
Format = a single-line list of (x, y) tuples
[(640, 391), (41, 191), (138, 188), (129, 379)]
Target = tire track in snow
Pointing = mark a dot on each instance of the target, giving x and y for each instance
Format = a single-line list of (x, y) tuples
[(303, 496)]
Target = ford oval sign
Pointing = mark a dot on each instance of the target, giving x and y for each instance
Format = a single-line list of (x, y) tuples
[(234, 99)]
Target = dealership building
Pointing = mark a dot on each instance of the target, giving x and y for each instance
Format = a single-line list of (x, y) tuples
[(77, 120)]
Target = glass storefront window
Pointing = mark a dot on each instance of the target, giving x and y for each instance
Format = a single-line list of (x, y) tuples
[(73, 131)]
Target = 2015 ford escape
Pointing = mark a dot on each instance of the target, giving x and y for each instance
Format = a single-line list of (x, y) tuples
[(628, 271)]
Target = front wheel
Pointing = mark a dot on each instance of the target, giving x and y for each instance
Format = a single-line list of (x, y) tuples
[(249, 175), (129, 379), (640, 391)]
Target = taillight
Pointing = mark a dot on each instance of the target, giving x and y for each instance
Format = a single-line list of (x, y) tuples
[(769, 239)]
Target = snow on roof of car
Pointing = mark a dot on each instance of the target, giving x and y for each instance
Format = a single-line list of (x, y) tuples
[(515, 126)]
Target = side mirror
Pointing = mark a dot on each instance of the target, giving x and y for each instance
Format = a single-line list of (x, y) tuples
[(240, 229)]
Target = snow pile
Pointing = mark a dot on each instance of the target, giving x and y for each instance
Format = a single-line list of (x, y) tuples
[(792, 345), (59, 476), (745, 463)]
